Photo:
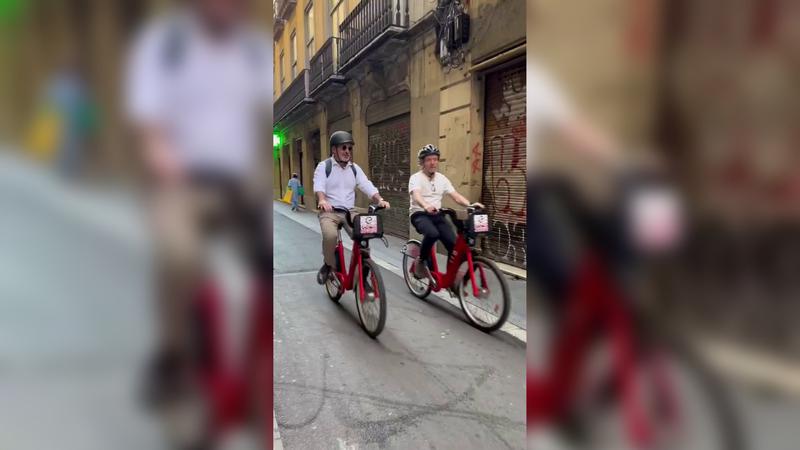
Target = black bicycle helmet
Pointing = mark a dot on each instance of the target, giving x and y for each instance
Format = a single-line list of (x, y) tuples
[(428, 150), (341, 137)]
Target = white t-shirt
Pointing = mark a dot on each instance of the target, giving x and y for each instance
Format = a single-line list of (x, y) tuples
[(212, 102), (432, 190)]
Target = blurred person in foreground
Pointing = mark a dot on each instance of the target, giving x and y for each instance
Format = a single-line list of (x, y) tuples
[(197, 94), (551, 115), (637, 217)]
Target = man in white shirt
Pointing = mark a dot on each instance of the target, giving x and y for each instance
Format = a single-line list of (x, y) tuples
[(335, 182), (427, 188), (550, 112), (197, 88)]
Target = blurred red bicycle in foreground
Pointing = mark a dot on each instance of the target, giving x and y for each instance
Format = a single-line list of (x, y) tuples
[(652, 390), (228, 394)]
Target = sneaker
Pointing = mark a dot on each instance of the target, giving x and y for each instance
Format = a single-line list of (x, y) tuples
[(421, 269), (323, 274)]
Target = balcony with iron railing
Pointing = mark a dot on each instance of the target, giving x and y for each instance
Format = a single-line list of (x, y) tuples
[(294, 96), (368, 25), (324, 66)]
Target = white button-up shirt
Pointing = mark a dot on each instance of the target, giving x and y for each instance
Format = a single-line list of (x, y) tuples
[(210, 104), (340, 187)]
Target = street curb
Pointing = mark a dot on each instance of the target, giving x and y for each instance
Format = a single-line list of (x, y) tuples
[(512, 330), (753, 367), (512, 271), (277, 444)]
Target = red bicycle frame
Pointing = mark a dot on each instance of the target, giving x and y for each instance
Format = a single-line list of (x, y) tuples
[(347, 277), (461, 252), (595, 301), (229, 389)]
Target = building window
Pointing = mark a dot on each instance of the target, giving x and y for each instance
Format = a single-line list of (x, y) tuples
[(310, 31), (337, 15), (283, 77), (293, 54)]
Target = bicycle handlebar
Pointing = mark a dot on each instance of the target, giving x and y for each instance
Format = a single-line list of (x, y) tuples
[(453, 214), (372, 210)]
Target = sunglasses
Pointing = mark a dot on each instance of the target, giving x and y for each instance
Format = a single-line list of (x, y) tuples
[(349, 148)]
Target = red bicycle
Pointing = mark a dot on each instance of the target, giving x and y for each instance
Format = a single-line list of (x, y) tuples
[(227, 390), (654, 388), (475, 280), (368, 289)]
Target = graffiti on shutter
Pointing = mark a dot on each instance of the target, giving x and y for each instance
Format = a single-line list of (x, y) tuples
[(390, 169), (504, 185)]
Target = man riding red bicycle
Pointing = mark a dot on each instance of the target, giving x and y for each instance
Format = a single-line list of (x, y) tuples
[(427, 188), (335, 182)]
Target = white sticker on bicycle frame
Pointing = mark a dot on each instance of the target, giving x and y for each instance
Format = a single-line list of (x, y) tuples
[(368, 225), (481, 222)]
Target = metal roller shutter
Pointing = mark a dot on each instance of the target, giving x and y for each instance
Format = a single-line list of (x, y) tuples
[(390, 168), (504, 158)]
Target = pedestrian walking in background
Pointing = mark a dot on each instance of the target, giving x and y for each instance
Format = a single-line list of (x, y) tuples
[(296, 187)]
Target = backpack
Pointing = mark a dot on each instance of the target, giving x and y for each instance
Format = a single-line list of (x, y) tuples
[(329, 167)]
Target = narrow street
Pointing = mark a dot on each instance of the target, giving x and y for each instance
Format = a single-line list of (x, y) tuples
[(430, 380), (75, 322)]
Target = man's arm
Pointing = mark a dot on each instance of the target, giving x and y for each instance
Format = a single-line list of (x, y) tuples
[(159, 155), (588, 141), (322, 201), (415, 194), (320, 185), (550, 108), (460, 199), (145, 107), (369, 189), (378, 200)]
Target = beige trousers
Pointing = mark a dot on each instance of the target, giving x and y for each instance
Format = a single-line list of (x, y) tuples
[(329, 225)]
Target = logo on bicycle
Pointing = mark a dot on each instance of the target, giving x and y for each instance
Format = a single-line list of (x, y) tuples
[(369, 225), (481, 223)]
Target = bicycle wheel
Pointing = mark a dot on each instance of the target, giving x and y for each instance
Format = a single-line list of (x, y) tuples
[(372, 307), (420, 288), (489, 310), (334, 288), (684, 403)]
